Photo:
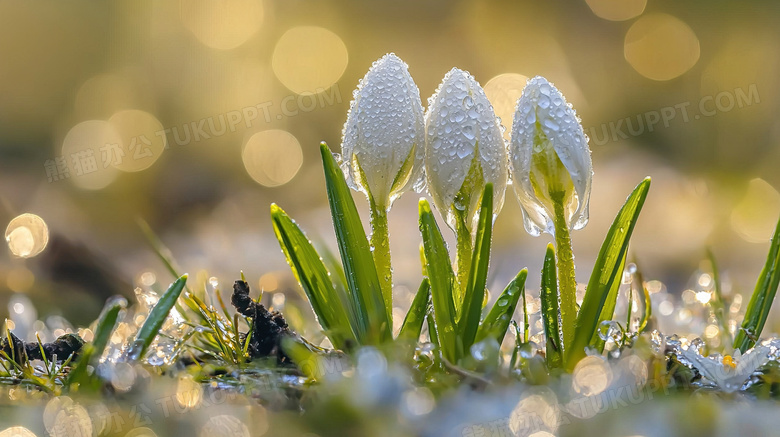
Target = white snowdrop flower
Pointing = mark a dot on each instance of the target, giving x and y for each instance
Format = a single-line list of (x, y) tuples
[(383, 139), (550, 159), (728, 372), (464, 149)]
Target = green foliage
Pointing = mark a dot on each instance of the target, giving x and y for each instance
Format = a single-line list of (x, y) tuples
[(359, 268), (497, 321), (413, 322), (761, 300), (640, 279), (19, 368), (455, 332), (331, 306), (90, 354), (155, 320), (347, 298), (549, 297), (471, 310), (443, 283), (608, 310), (216, 333), (606, 272)]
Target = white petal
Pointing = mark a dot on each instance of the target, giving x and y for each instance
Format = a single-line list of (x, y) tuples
[(725, 377), (751, 360), (461, 125), (384, 123)]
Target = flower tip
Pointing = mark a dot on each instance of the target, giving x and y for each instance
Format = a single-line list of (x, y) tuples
[(538, 80), (325, 150), (387, 64), (391, 57), (424, 206), (456, 75), (539, 85)]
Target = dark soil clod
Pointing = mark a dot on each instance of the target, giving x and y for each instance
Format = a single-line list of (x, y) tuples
[(58, 350), (268, 328)]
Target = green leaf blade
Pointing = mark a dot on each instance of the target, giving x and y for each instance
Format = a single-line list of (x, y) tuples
[(549, 300), (648, 313), (605, 272), (359, 268), (497, 321), (442, 280), (105, 326), (608, 310), (762, 298), (471, 311), (330, 307), (415, 317), (156, 319)]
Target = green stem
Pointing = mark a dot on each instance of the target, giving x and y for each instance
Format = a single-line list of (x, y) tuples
[(380, 242), (463, 253), (567, 282)]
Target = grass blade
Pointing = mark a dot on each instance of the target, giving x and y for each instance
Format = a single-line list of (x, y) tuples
[(432, 335), (606, 270), (158, 247), (359, 268), (550, 310), (526, 323), (413, 322), (608, 310), (105, 326), (333, 265), (640, 279), (154, 322), (497, 321), (305, 359), (761, 300), (330, 307), (442, 278), (471, 312), (717, 302)]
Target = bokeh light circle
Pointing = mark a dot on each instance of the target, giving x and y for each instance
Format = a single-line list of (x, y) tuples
[(189, 392), (84, 148), (592, 376), (309, 59), (224, 426), (503, 92), (143, 140), (222, 24), (617, 10), (63, 417), (27, 235), (661, 47), (141, 432), (17, 431), (755, 216), (272, 157)]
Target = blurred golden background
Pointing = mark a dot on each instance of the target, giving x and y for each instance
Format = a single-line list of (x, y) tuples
[(195, 115)]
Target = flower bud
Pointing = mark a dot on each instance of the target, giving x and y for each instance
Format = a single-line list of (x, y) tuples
[(464, 149), (550, 159), (383, 139)]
